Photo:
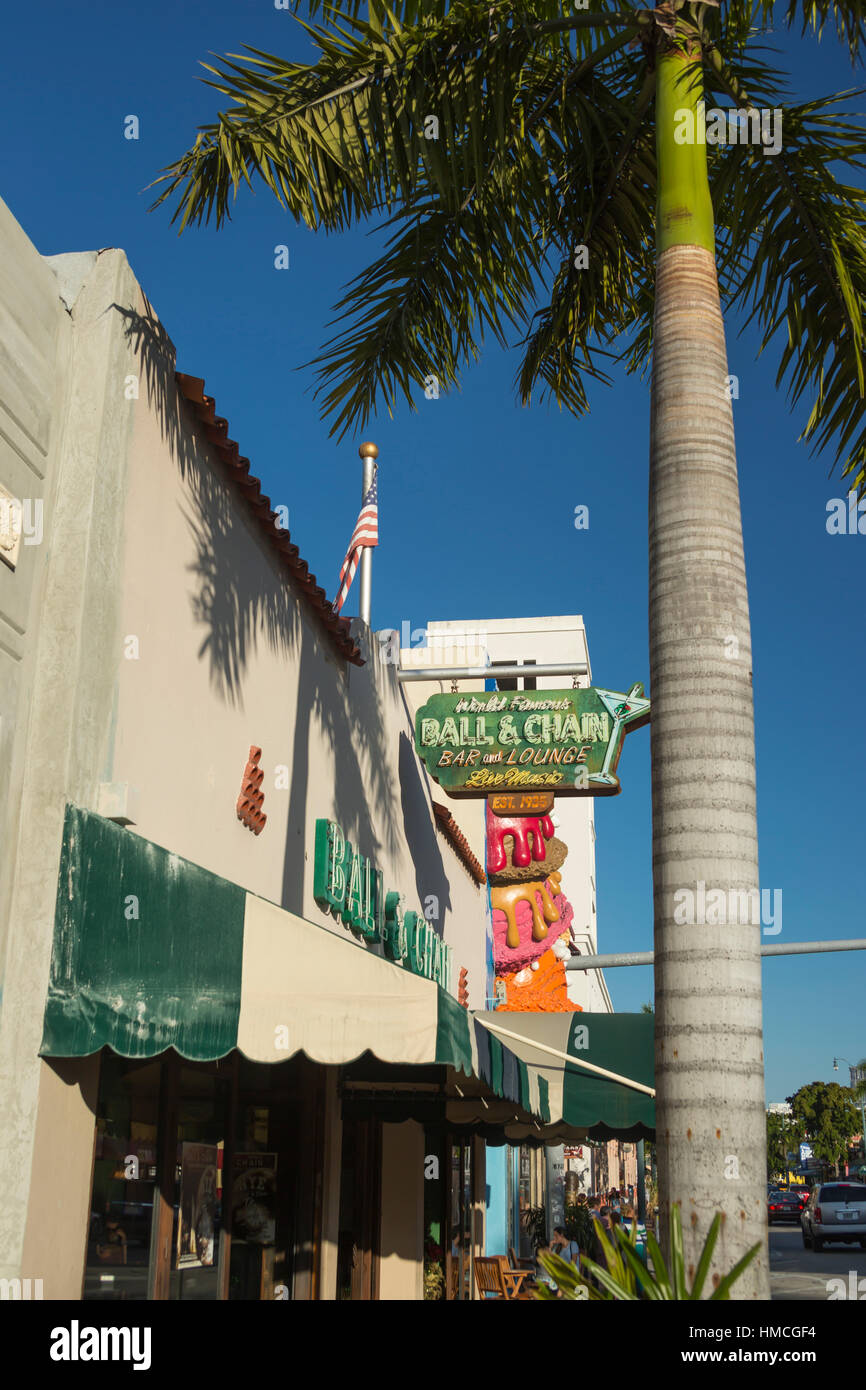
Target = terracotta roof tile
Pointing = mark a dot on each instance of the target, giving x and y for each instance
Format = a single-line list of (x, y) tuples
[(458, 841), (215, 430)]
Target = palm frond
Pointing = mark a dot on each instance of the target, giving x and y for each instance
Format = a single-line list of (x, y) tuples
[(338, 139), (417, 12), (419, 312), (498, 139), (847, 18), (792, 251)]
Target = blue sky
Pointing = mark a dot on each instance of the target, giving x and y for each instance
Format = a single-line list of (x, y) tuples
[(71, 76)]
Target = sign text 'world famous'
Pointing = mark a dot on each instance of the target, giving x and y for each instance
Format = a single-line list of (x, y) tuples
[(564, 741)]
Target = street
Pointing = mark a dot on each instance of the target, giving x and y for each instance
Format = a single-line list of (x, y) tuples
[(797, 1274)]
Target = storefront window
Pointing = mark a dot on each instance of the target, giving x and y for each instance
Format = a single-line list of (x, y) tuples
[(197, 1189), (202, 1115), (524, 1200), (124, 1181), (263, 1188), (531, 1190)]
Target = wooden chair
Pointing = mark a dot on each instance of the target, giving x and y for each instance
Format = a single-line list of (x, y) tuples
[(492, 1276), (517, 1263)]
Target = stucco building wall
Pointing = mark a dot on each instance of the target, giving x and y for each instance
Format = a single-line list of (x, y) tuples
[(65, 438), (144, 539), (219, 655)]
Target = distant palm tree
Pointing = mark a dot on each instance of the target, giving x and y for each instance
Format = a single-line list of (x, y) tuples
[(534, 152), (859, 1090)]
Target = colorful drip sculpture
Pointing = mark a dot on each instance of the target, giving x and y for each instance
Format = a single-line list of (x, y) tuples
[(531, 905), (543, 989), (539, 898), (531, 915), (521, 829)]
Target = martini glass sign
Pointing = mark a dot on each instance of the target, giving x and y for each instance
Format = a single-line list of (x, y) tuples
[(563, 741)]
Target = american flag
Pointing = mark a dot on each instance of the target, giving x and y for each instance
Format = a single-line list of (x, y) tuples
[(366, 533)]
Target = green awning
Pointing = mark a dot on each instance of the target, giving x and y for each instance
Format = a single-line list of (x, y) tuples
[(598, 1069), (152, 952)]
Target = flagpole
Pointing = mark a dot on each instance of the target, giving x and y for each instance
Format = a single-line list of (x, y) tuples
[(368, 453)]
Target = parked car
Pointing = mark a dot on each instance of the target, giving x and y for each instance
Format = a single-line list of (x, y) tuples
[(835, 1211), (783, 1206)]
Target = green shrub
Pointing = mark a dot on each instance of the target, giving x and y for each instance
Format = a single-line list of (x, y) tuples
[(627, 1278)]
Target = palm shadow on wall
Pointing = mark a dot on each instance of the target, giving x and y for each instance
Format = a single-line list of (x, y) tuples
[(421, 836), (240, 609)]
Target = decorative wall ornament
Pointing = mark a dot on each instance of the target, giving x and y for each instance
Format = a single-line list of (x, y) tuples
[(252, 798), (446, 823)]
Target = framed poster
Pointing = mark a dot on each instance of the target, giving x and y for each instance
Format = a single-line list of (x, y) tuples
[(197, 1212), (254, 1198)]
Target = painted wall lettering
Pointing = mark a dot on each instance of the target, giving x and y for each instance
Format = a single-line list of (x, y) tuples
[(347, 884)]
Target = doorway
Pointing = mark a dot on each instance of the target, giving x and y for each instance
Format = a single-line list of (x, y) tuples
[(360, 1210), (459, 1219)]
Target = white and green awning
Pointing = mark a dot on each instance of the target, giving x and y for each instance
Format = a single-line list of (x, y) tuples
[(153, 952), (598, 1069)]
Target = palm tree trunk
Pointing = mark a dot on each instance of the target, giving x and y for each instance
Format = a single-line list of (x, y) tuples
[(711, 1132)]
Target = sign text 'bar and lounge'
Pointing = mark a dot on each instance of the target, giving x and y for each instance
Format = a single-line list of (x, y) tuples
[(563, 741)]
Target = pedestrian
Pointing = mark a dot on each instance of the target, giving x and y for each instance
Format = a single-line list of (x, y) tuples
[(566, 1248), (594, 1251), (629, 1220)]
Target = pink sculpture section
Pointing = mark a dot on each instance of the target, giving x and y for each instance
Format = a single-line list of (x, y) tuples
[(527, 919)]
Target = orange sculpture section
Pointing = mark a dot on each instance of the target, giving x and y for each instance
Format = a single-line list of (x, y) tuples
[(544, 990)]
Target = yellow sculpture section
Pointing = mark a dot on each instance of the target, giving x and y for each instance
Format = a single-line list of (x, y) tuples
[(508, 898)]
